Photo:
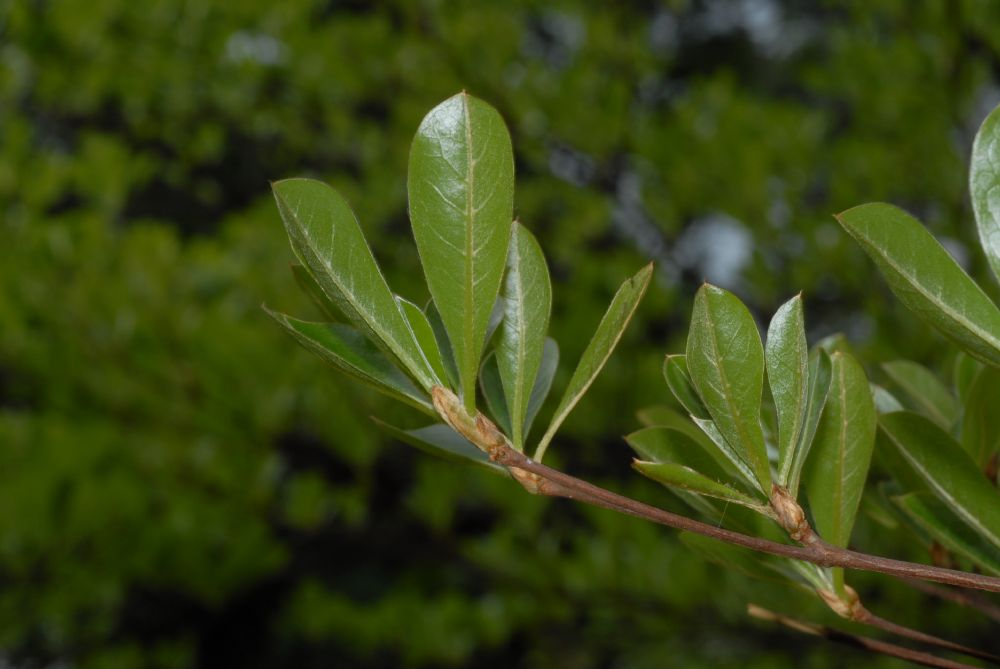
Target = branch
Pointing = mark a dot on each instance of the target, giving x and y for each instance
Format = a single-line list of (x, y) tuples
[(972, 600)]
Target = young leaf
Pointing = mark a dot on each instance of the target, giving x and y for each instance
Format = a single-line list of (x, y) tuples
[(674, 475), (443, 442), (327, 239), (934, 518), (527, 299), (981, 421), (675, 373), (424, 334), (684, 445), (726, 361), (444, 345), (946, 469), (787, 359), (543, 381), (309, 286), (461, 195), (984, 182), (926, 278), (838, 463), (727, 451), (609, 332), (352, 353), (489, 381), (820, 373), (927, 394)]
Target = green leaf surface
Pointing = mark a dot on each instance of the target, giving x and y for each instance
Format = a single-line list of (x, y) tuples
[(984, 183), (742, 560), (444, 344), (443, 442), (609, 332), (963, 373), (309, 286), (352, 353), (461, 198), (675, 475), (838, 463), (675, 373), (787, 359), (885, 402), (820, 374), (543, 382), (926, 278), (725, 359), (527, 300), (934, 518), (424, 334), (492, 387), (926, 394), (664, 444), (327, 239), (727, 451), (946, 470), (981, 420)]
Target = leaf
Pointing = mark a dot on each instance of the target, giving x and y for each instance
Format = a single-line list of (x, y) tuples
[(609, 331), (543, 381), (743, 560), (527, 300), (352, 353), (926, 393), (926, 278), (946, 469), (725, 358), (327, 239), (461, 196), (963, 374), (443, 442), (984, 183), (787, 360), (932, 516), (675, 372), (447, 355), (981, 422), (309, 286), (489, 381), (885, 402), (424, 334), (820, 372), (674, 475), (837, 467), (727, 451), (684, 445)]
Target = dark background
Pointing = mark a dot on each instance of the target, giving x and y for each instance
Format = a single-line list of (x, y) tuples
[(180, 485)]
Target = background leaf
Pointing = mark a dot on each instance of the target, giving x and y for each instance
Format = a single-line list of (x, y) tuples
[(441, 441), (820, 373), (461, 194), (984, 182), (924, 391), (492, 387), (943, 526), (981, 420), (787, 360), (543, 381)]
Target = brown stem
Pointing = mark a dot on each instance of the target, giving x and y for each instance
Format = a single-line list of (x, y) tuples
[(868, 618), (882, 647), (972, 600)]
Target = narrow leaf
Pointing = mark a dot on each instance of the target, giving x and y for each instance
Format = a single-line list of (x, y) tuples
[(349, 351), (963, 373), (837, 467), (527, 299), (444, 345), (926, 278), (685, 446), (678, 476), (787, 359), (926, 394), (424, 334), (675, 373), (327, 239), (820, 373), (609, 332), (461, 195), (730, 453), (981, 421), (543, 381), (309, 286), (492, 387), (984, 182), (946, 469), (934, 518), (443, 442), (885, 402), (725, 358)]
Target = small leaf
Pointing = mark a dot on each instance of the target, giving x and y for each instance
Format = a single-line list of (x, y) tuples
[(926, 278), (948, 530), (981, 422), (527, 300), (926, 393), (443, 442), (684, 445), (820, 372), (678, 476), (327, 239), (675, 373), (461, 196), (963, 373), (787, 359), (444, 345), (837, 467), (725, 358), (728, 451), (946, 469), (424, 334), (984, 182), (349, 351), (543, 381), (492, 387), (609, 332), (309, 286)]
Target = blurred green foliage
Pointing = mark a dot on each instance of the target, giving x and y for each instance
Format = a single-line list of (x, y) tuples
[(180, 485)]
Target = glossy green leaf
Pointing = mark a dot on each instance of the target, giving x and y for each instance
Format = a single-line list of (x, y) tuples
[(725, 359), (837, 467), (543, 382), (674, 475), (444, 345), (327, 239), (946, 470), (492, 387), (461, 197), (684, 445), (934, 518), (787, 359), (675, 373), (527, 300), (309, 286), (926, 394), (352, 353), (661, 416), (609, 332), (984, 183), (981, 421), (443, 442), (424, 334), (820, 374), (926, 278)]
